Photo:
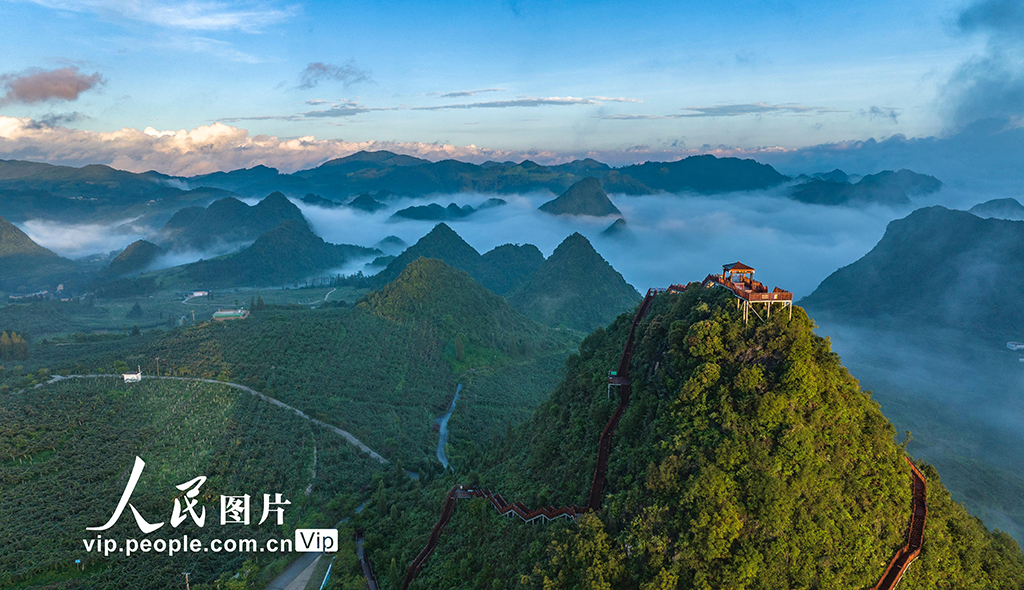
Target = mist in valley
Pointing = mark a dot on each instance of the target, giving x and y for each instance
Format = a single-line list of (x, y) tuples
[(670, 238), (961, 400)]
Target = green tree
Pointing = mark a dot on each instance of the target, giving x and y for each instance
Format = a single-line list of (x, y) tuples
[(460, 349), (382, 500), (393, 576)]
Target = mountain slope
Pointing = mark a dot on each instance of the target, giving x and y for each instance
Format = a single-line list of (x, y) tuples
[(289, 252), (506, 267), (936, 267), (748, 459), (135, 258), (225, 223), (428, 289), (586, 197), (25, 265), (441, 243), (15, 245), (574, 288)]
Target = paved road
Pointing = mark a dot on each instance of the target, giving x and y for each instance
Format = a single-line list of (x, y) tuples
[(343, 433), (293, 571)]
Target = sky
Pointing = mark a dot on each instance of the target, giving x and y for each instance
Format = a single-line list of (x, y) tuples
[(203, 85)]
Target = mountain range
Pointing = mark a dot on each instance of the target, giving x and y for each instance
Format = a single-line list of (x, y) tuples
[(574, 288), (435, 212), (885, 188), (30, 190)]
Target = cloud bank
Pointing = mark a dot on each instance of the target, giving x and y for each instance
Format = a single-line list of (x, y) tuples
[(216, 147), (36, 85)]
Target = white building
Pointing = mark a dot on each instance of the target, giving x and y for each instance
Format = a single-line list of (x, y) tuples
[(133, 377)]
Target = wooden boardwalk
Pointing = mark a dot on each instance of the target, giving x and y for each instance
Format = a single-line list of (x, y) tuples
[(915, 536), (892, 575)]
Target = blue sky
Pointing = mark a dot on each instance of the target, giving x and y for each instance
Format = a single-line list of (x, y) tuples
[(623, 81)]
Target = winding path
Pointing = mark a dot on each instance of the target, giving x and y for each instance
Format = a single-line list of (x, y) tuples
[(619, 378), (915, 536), (342, 433)]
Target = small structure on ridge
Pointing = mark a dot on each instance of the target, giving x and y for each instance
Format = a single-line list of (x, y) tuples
[(739, 278)]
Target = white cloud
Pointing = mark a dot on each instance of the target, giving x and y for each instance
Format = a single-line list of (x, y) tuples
[(217, 147), (193, 15)]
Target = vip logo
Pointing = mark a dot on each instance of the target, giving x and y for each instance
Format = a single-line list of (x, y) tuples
[(318, 540)]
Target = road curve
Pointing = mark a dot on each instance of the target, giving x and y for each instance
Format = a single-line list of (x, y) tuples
[(342, 433)]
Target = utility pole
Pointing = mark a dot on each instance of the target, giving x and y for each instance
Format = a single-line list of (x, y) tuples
[(193, 317), (157, 366), (187, 587)]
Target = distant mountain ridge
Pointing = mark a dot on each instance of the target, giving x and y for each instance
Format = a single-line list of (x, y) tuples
[(884, 188), (936, 267), (1000, 208), (224, 223), (368, 171)]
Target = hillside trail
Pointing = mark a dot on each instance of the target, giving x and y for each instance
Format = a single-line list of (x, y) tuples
[(621, 378)]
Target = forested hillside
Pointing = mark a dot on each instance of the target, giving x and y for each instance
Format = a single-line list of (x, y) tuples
[(574, 288), (289, 252), (26, 266), (748, 458)]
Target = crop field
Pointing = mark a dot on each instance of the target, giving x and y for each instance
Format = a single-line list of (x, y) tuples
[(161, 310), (67, 448)]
